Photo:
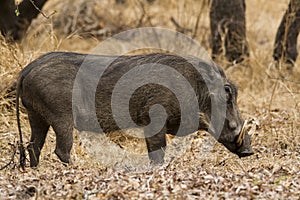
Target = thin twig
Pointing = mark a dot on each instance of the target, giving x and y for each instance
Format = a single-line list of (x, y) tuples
[(282, 79), (140, 21), (12, 157), (198, 18), (196, 25), (179, 27), (145, 13), (243, 168), (273, 94), (40, 11)]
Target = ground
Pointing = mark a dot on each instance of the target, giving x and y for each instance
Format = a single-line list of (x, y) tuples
[(267, 99)]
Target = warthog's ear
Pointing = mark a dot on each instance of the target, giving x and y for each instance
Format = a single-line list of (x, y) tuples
[(228, 92)]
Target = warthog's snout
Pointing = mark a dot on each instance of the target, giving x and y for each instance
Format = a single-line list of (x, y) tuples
[(241, 144)]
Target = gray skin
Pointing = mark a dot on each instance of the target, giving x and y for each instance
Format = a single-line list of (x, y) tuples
[(45, 87)]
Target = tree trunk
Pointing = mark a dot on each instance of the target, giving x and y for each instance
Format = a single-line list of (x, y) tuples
[(228, 29), (285, 47), (13, 26)]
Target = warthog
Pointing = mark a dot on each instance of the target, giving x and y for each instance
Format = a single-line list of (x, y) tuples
[(46, 87)]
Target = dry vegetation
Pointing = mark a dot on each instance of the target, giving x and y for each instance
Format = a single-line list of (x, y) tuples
[(270, 104)]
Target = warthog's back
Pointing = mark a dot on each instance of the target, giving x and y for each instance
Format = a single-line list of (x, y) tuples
[(48, 85)]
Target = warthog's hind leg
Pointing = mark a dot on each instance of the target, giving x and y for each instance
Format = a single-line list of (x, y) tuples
[(64, 139), (39, 129)]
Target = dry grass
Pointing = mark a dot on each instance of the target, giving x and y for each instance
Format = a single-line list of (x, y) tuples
[(271, 105)]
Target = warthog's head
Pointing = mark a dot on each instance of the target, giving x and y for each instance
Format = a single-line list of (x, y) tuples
[(234, 135)]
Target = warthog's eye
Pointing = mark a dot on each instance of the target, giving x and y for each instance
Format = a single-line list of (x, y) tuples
[(228, 92)]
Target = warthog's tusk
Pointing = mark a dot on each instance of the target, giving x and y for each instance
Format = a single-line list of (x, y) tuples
[(239, 140)]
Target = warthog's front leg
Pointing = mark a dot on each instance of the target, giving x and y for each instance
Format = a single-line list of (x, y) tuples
[(156, 145)]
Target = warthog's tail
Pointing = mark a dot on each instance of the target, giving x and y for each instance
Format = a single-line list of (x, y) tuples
[(21, 145)]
